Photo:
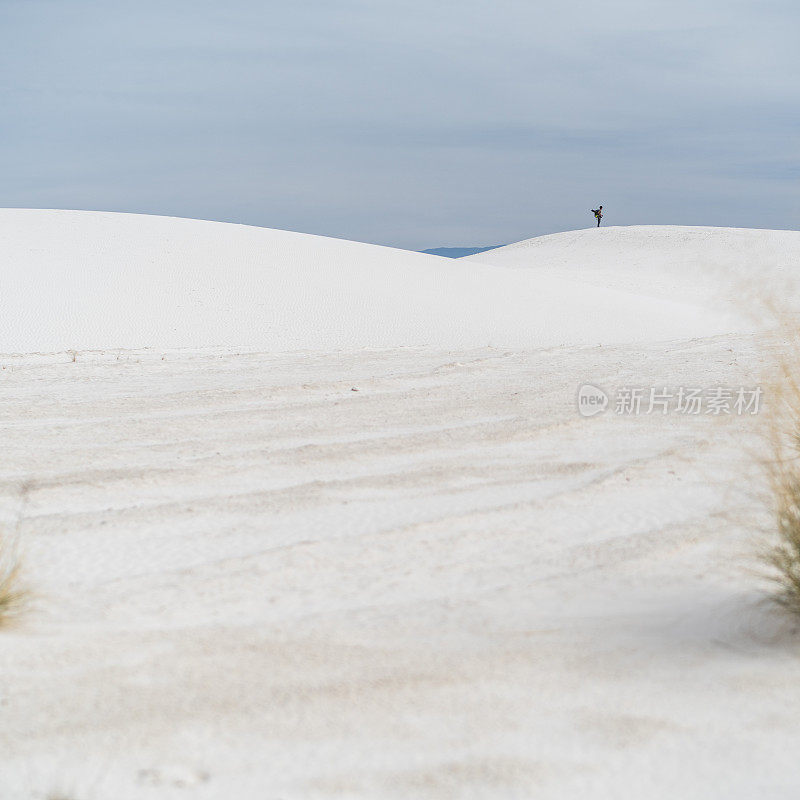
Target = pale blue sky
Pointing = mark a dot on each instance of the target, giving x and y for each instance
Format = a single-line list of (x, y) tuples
[(415, 124)]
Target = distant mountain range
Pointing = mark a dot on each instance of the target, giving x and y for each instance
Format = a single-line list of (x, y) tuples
[(458, 252)]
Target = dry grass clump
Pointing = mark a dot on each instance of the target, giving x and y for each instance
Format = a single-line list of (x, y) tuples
[(13, 595), (782, 555)]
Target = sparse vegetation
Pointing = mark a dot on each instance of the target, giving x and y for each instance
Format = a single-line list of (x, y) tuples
[(13, 595), (782, 556)]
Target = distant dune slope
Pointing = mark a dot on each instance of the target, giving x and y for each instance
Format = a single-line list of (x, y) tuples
[(457, 252), (706, 266), (91, 280)]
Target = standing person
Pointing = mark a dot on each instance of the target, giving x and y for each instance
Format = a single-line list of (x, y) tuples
[(598, 212)]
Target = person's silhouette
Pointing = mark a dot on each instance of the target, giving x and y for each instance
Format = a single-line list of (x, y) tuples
[(598, 212)]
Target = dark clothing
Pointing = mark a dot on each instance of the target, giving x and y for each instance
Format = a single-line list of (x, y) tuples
[(598, 212)]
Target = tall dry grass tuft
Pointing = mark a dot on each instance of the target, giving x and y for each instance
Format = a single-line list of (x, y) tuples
[(13, 594), (782, 554)]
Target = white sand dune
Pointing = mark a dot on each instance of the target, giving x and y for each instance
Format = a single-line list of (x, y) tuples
[(87, 280), (254, 582), (711, 267)]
